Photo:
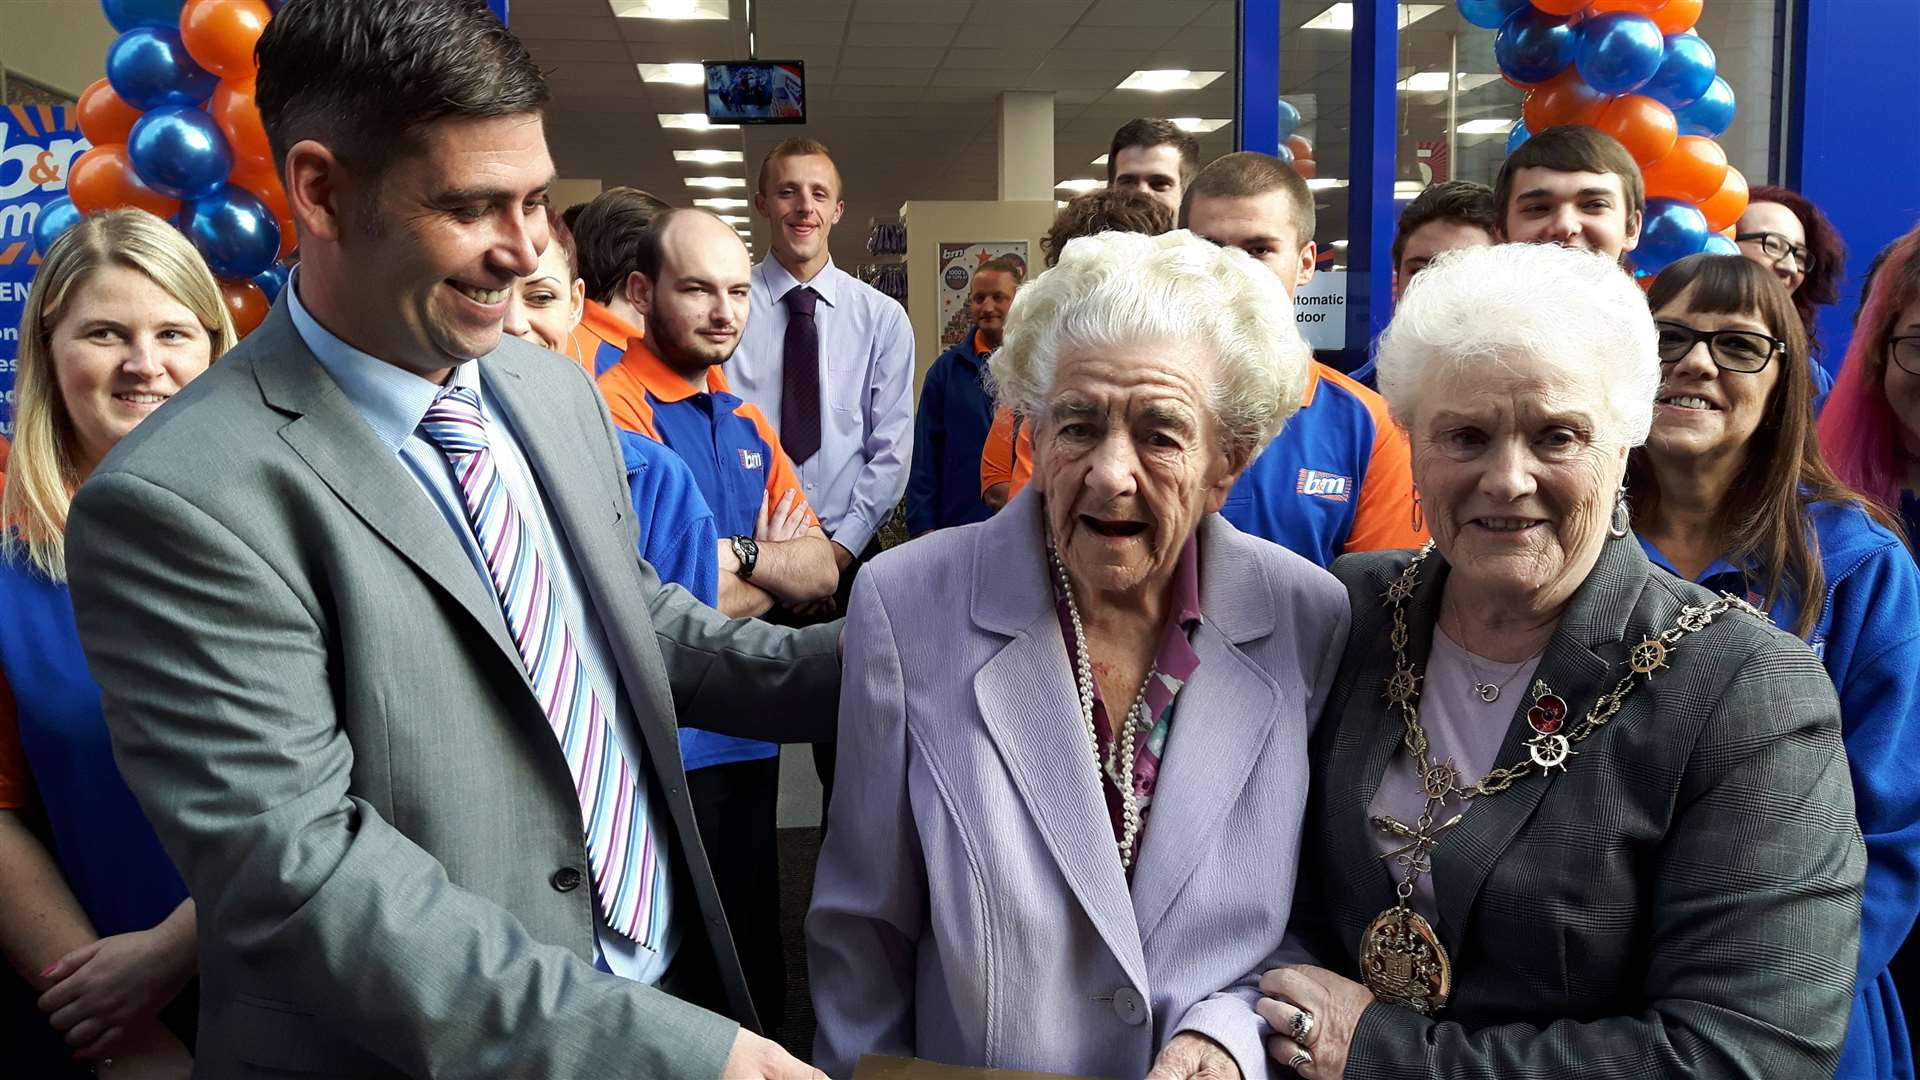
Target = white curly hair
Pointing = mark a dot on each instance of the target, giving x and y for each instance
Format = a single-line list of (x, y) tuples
[(1113, 290)]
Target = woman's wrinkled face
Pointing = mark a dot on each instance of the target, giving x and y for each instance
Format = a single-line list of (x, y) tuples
[(1129, 457), (1517, 466)]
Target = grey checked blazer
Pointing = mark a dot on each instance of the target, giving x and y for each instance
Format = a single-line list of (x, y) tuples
[(1684, 900), (314, 696)]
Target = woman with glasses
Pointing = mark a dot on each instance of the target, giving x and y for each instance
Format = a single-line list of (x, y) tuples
[(1783, 231), (1731, 492)]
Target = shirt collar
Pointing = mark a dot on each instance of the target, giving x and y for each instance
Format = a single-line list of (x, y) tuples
[(663, 383), (980, 348), (1186, 586), (392, 401), (779, 283), (1720, 567), (609, 327)]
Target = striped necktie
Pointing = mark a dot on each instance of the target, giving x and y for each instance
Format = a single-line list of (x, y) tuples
[(629, 873)]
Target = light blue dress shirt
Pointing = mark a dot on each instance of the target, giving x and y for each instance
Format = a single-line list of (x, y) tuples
[(393, 402), (866, 394)]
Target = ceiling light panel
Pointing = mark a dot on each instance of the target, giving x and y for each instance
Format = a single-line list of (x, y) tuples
[(1487, 125), (1197, 125), (673, 74), (669, 9), (709, 157), (1080, 186), (1435, 82), (721, 203), (1340, 16), (1161, 80), (715, 183), (693, 121)]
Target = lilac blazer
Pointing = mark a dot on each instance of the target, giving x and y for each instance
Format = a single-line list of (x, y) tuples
[(969, 905)]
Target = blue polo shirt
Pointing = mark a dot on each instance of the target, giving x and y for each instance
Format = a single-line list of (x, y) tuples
[(1338, 478), (949, 431), (735, 460)]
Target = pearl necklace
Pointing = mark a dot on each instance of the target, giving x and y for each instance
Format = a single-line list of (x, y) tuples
[(1135, 719)]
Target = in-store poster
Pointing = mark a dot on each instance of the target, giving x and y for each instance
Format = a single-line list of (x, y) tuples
[(37, 145), (957, 264)]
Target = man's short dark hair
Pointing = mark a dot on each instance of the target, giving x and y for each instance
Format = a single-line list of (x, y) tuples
[(650, 252), (1461, 202), (1245, 174), (1571, 148), (572, 214), (607, 235), (1004, 264), (365, 77), (1105, 211), (1148, 133)]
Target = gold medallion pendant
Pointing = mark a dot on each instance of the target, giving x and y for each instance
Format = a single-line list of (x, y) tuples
[(1403, 962)]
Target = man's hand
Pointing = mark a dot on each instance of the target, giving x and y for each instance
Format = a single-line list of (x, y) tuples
[(755, 1058), (105, 987), (782, 523), (996, 496), (1188, 1056), (842, 558)]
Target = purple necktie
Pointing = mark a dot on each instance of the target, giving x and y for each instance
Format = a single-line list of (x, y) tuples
[(800, 377)]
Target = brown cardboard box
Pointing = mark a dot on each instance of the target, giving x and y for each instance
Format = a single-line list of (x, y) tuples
[(898, 1068)]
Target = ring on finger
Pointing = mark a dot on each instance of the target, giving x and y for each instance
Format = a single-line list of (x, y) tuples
[(1301, 1028), (1299, 1060)]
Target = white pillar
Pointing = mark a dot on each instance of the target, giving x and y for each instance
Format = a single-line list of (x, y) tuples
[(1026, 145)]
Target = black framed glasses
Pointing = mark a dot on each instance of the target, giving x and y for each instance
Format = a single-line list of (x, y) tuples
[(1906, 352), (1779, 247), (1745, 351)]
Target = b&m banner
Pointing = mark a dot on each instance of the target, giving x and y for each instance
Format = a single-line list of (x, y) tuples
[(37, 144)]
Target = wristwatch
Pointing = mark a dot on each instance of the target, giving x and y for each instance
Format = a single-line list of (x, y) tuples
[(748, 553)]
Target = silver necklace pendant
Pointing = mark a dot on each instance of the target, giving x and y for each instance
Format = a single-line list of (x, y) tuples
[(1487, 691)]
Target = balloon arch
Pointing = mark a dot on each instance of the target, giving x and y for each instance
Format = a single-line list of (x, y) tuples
[(1636, 70), (175, 131)]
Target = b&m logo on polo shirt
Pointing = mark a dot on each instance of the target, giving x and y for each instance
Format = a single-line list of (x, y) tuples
[(750, 459), (1330, 486)]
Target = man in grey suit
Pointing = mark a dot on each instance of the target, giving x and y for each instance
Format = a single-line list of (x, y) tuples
[(373, 640)]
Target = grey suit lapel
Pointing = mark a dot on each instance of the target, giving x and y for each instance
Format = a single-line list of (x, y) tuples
[(1576, 666), (1222, 720), (343, 451), (1027, 701)]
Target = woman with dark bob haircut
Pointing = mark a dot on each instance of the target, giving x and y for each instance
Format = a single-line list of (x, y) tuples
[(1731, 492)]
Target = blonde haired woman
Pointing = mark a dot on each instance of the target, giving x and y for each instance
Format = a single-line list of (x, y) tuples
[(122, 315)]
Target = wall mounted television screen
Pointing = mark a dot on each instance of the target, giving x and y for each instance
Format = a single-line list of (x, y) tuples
[(756, 92)]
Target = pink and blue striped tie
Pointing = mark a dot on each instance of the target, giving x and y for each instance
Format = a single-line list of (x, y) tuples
[(629, 872)]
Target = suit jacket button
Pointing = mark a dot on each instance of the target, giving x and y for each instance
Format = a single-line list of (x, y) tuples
[(565, 879), (1129, 1006)]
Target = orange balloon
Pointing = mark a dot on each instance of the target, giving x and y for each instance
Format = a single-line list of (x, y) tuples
[(1644, 126), (1561, 7), (1306, 168), (1728, 203), (1300, 146), (220, 34), (265, 183), (246, 303), (232, 107), (1636, 7), (103, 179), (1676, 16), (1693, 172), (1564, 99), (104, 117)]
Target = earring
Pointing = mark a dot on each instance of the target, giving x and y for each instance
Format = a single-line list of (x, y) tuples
[(1419, 518), (1622, 523)]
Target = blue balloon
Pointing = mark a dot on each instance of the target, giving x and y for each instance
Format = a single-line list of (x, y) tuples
[(1289, 119), (1517, 135), (235, 233), (132, 14), (1671, 231), (1284, 153), (1533, 46), (1711, 115), (1489, 14), (179, 151), (55, 218), (1684, 75), (272, 280), (1719, 244), (1619, 52), (149, 68)]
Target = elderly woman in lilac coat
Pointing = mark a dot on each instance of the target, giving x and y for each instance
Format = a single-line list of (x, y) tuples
[(1072, 737)]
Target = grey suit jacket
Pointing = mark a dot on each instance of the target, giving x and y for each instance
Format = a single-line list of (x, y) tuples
[(969, 905), (1683, 900), (314, 696)]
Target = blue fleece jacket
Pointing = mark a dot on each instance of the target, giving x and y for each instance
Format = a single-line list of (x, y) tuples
[(949, 431), (1868, 636)]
